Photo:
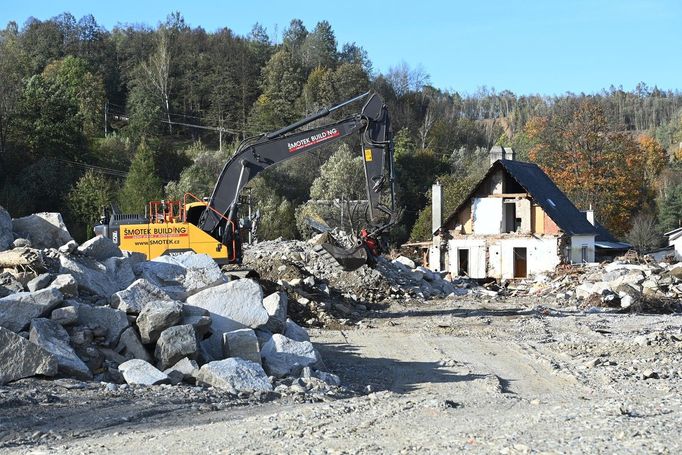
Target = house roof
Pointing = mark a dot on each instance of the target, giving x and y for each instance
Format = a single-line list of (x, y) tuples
[(605, 240), (674, 234), (543, 191)]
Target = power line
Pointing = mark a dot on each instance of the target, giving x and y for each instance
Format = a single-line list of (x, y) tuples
[(100, 169)]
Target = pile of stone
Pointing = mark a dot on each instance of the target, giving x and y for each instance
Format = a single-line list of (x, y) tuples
[(327, 291), (95, 312), (634, 285)]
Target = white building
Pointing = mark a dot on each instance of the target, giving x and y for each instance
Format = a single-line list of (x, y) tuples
[(513, 224)]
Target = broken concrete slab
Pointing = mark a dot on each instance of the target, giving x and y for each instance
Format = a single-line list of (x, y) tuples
[(235, 375), (138, 371), (175, 343), (130, 346), (134, 298), (19, 358), (276, 306), (295, 332), (234, 305), (156, 317), (283, 356), (6, 236), (241, 343), (40, 282), (17, 310), (52, 337), (100, 248), (113, 320), (44, 230)]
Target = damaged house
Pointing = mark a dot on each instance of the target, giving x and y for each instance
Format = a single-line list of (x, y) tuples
[(515, 222)]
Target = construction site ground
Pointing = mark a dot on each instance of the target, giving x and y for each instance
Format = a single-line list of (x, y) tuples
[(510, 375)]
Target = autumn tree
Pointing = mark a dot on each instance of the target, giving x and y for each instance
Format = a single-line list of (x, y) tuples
[(593, 164)]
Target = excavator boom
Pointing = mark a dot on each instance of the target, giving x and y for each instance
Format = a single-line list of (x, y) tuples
[(220, 219)]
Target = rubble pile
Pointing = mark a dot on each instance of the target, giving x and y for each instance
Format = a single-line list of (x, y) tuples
[(95, 312), (326, 291), (627, 283)]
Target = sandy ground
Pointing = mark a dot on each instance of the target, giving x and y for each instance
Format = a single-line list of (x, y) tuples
[(508, 376)]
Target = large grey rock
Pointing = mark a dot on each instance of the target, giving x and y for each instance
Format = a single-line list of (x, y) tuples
[(44, 230), (276, 306), (156, 317), (138, 371), (40, 282), (295, 332), (9, 284), (121, 270), (182, 275), (113, 320), (17, 310), (130, 346), (185, 369), (235, 375), (19, 358), (100, 248), (409, 263), (175, 343), (134, 298), (198, 318), (91, 276), (241, 343), (66, 284), (234, 305), (67, 315), (68, 247), (283, 356), (52, 337), (6, 236)]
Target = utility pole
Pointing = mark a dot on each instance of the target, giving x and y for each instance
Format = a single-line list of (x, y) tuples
[(106, 111)]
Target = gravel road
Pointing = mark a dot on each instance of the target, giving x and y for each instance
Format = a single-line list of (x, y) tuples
[(507, 376)]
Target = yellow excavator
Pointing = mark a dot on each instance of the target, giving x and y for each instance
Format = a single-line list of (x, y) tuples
[(213, 227)]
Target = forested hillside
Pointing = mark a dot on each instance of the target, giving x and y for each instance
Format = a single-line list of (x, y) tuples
[(90, 116)]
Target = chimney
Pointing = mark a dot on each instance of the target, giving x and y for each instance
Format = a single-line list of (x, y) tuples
[(497, 152), (589, 214), (436, 206)]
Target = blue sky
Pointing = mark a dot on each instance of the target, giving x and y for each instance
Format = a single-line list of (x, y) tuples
[(547, 47)]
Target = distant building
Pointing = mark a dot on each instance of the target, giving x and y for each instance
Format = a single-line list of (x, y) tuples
[(674, 247), (515, 223)]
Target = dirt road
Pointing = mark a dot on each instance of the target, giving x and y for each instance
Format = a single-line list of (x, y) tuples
[(449, 376)]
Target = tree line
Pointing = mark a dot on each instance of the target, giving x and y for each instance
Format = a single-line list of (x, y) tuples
[(90, 116)]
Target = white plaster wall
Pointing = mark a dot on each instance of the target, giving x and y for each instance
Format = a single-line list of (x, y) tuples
[(541, 255), (477, 250), (487, 215), (577, 242), (677, 243)]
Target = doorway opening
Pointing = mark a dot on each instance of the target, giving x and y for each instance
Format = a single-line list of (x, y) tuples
[(520, 263), (463, 262)]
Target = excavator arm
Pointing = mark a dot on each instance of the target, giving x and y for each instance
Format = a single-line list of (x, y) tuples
[(220, 218)]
